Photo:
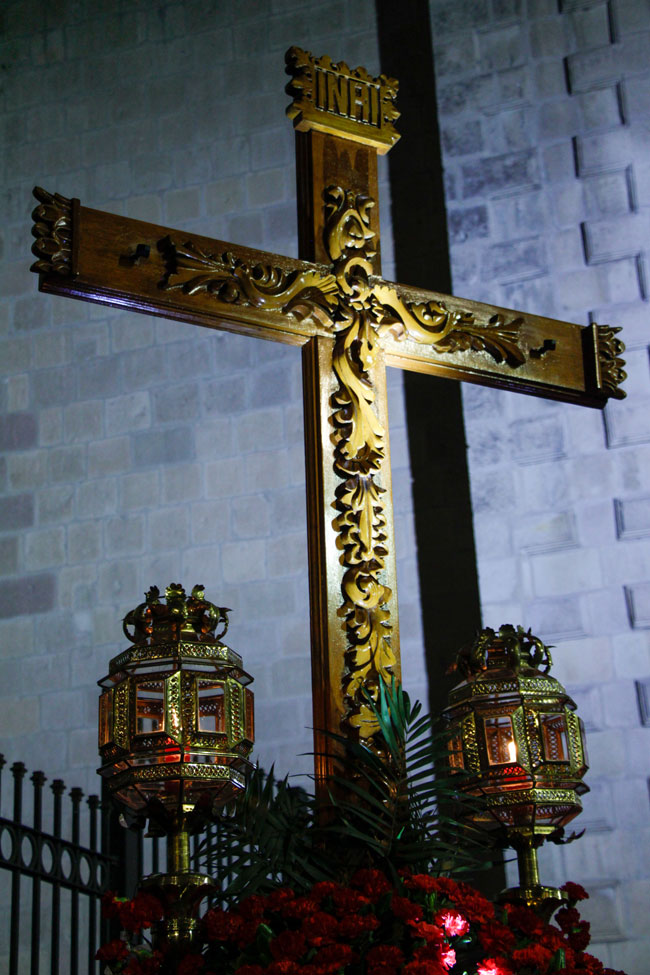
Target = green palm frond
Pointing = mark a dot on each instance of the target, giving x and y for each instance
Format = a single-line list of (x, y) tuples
[(404, 807)]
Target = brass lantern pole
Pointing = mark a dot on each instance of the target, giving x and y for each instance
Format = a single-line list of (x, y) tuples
[(176, 726), (515, 734)]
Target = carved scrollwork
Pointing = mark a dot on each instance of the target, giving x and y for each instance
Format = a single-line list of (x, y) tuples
[(432, 323), (609, 350), (300, 293), (53, 232)]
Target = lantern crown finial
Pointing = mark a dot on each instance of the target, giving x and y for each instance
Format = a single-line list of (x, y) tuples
[(515, 647), (188, 618)]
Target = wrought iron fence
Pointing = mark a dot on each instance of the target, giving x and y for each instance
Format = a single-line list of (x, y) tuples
[(58, 855), (57, 868)]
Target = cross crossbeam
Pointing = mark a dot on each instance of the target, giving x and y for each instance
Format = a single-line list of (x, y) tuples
[(351, 323)]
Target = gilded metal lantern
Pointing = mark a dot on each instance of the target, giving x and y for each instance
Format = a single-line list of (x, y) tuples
[(175, 731), (175, 713), (515, 734)]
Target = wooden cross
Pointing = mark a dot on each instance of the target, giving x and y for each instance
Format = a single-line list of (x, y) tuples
[(351, 324)]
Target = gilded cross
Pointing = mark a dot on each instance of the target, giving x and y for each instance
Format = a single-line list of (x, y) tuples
[(351, 324)]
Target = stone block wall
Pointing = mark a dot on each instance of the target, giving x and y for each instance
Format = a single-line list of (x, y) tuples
[(138, 451), (544, 118)]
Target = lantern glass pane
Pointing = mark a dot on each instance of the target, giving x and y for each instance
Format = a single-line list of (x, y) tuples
[(149, 707), (455, 747), (500, 740), (554, 737), (105, 717), (249, 697), (211, 706)]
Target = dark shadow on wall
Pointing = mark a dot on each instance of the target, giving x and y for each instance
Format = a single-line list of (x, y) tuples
[(441, 495)]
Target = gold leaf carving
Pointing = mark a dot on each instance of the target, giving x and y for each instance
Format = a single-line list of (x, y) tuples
[(231, 280), (432, 323), (609, 350), (53, 232)]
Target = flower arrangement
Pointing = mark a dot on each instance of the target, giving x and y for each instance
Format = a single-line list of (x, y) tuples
[(423, 925)]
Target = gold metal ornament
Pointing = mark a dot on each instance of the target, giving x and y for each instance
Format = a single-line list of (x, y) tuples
[(515, 734), (176, 727)]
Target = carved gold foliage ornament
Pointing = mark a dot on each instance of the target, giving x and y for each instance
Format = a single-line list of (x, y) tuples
[(364, 312), (53, 232), (609, 363), (301, 293)]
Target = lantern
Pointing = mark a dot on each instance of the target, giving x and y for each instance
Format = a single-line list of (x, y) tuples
[(175, 730), (515, 735)]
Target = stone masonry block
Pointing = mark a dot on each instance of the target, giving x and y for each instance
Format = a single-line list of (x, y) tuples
[(140, 490), (51, 387), (108, 457), (16, 512), (177, 403), (50, 426), (627, 425), (210, 522), (127, 413), (124, 535), (271, 386), (245, 562), (637, 597), (602, 152), (269, 599), (25, 471), (169, 529), (509, 261), (96, 497), (262, 469), (258, 430), (555, 619), (118, 581), (632, 517), (288, 510), (19, 717), (225, 395), (620, 704), (490, 175), (182, 483), (84, 542), (17, 393), (55, 504), (156, 447), (130, 331), (607, 195), (591, 26), (546, 532), (83, 421), (67, 463), (18, 431), (98, 378), (563, 572), (592, 69), (27, 595), (538, 440), (601, 108), (251, 516), (225, 479), (606, 240)]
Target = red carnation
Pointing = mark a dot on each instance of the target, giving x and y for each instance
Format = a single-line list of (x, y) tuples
[(430, 932), (453, 923), (567, 918), (298, 908), (373, 883), (113, 951), (532, 955), (288, 944), (494, 966), (320, 928), (354, 925), (579, 937), (575, 891), (278, 898), (432, 885), (249, 970), (347, 901), (474, 905), (222, 925), (331, 959), (283, 967), (425, 966), (496, 937), (324, 888), (252, 907), (191, 965), (405, 909), (382, 959)]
